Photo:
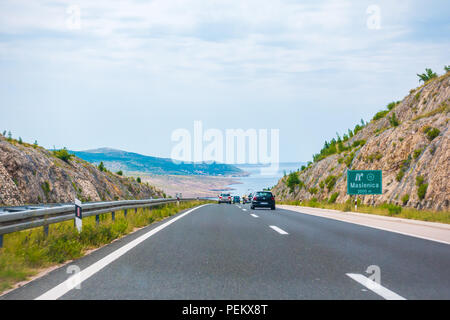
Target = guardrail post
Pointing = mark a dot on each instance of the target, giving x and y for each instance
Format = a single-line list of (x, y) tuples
[(1, 241), (97, 219), (135, 210), (46, 230), (113, 216), (125, 213)]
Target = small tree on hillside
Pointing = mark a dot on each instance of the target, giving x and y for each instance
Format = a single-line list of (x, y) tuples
[(428, 75), (101, 167)]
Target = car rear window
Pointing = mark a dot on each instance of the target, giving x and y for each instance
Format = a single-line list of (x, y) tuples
[(225, 194), (264, 194)]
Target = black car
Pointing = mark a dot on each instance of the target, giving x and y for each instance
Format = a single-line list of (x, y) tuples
[(236, 199), (263, 199)]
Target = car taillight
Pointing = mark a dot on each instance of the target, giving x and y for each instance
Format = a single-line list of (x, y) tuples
[(255, 198), (272, 198), (229, 197), (220, 197)]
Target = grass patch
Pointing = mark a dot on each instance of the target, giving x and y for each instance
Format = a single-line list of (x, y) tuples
[(27, 252), (444, 108)]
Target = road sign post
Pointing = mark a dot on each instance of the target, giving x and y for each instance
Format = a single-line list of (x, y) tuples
[(363, 182), (78, 215)]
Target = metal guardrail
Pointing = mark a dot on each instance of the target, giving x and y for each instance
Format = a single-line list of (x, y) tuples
[(14, 219)]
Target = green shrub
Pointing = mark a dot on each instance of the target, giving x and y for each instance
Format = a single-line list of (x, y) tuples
[(292, 180), (358, 143), (312, 190), (432, 133), (422, 187), (349, 159), (422, 191), (138, 179), (313, 203), (392, 105), (417, 153), (405, 199), (333, 197), (393, 209), (380, 115), (400, 175), (393, 120), (63, 154), (46, 188), (64, 248), (417, 96), (119, 172), (419, 180), (330, 181)]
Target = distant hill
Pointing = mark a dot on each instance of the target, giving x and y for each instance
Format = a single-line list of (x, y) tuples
[(30, 174), (133, 162)]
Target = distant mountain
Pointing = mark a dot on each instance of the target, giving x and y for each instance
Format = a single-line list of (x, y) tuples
[(133, 162)]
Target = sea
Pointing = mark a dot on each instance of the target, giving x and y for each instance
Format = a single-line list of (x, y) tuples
[(257, 181)]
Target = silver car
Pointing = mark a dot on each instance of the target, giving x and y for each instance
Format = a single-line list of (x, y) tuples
[(224, 197)]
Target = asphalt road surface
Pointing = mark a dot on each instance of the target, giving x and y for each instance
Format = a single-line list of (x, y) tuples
[(231, 252)]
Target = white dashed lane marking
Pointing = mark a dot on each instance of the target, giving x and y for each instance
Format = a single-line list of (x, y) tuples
[(280, 231), (375, 287)]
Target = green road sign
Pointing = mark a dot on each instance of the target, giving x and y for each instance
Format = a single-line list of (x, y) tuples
[(364, 182)]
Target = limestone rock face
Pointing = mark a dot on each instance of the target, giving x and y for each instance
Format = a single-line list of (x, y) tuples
[(392, 149), (33, 175)]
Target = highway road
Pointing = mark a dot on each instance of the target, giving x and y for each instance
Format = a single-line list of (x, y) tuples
[(231, 252)]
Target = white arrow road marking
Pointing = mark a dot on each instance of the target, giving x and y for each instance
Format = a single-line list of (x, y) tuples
[(244, 209), (280, 231), (375, 287), (78, 278), (254, 215)]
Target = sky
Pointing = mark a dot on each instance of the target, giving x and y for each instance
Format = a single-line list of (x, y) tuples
[(127, 74)]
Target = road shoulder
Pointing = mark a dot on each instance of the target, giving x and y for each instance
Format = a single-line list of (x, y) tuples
[(433, 231)]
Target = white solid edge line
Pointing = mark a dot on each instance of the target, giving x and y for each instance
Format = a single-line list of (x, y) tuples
[(375, 227), (78, 278), (375, 287), (281, 231), (254, 215)]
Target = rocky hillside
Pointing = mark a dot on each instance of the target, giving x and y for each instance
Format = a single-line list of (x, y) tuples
[(30, 174), (409, 142)]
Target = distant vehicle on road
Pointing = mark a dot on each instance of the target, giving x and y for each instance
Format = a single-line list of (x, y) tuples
[(263, 199), (236, 199), (224, 197)]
